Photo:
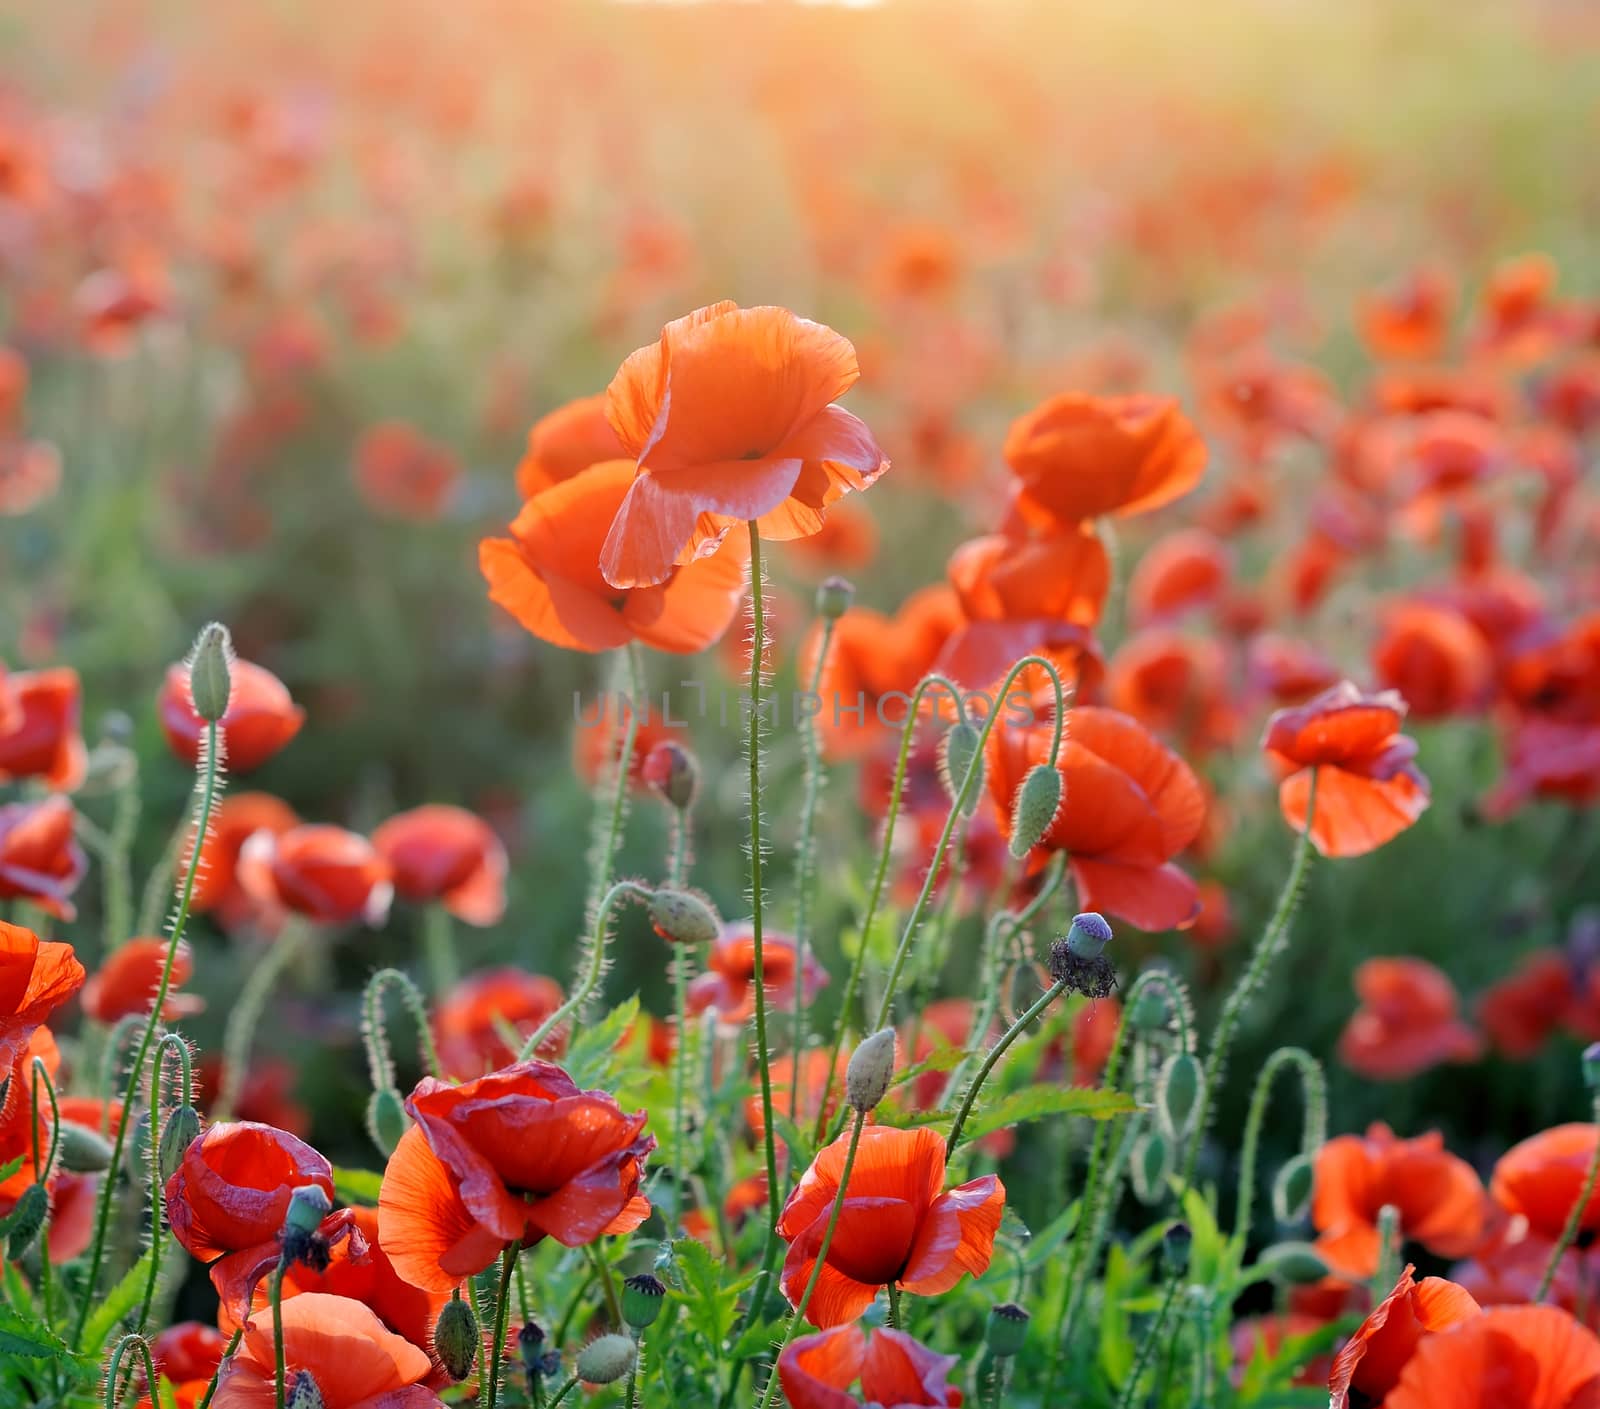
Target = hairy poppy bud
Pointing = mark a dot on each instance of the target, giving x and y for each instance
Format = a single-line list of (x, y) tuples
[(670, 770), (530, 1346), (136, 1148), (303, 1392), (870, 1071), (957, 750), (1089, 935), (834, 595), (1007, 1330), (455, 1338), (181, 1131), (1150, 1165), (1291, 1190), (1591, 1066), (642, 1295), (82, 1150), (683, 917), (25, 1220), (607, 1360), (1296, 1263), (386, 1120), (1150, 1012), (1180, 1093), (210, 675), (1175, 1245), (1038, 800)]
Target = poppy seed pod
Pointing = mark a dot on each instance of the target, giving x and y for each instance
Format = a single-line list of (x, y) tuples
[(1291, 1190), (871, 1070), (1007, 1330), (1297, 1263), (386, 1120), (1089, 935), (834, 595), (304, 1393), (1591, 1066), (671, 771), (1038, 800), (683, 917), (210, 672), (81, 1150), (455, 1338), (957, 750), (607, 1360), (25, 1220), (181, 1130), (308, 1206), (642, 1295), (1180, 1093)]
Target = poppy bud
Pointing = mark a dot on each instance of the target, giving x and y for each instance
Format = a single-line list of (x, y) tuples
[(1149, 1012), (1180, 1093), (871, 1070), (1150, 1162), (957, 750), (671, 771), (455, 1338), (1297, 1263), (1591, 1066), (1089, 935), (1176, 1243), (386, 1120), (25, 1220), (642, 1295), (607, 1360), (683, 917), (210, 679), (182, 1129), (530, 1346), (834, 595), (136, 1148), (1038, 801), (1291, 1190), (81, 1150), (1006, 1331), (303, 1392)]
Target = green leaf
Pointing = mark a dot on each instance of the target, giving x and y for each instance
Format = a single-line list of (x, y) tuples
[(10, 1167), (116, 1304), (1037, 1102), (709, 1304), (21, 1336), (357, 1186), (946, 1058), (591, 1057), (761, 1338)]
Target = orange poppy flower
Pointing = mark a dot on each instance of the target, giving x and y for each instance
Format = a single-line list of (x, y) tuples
[(1516, 316), (1439, 1196), (547, 575), (400, 471), (448, 855), (597, 740), (816, 1371), (1174, 685), (127, 981), (728, 985), (325, 873), (36, 977), (261, 717), (1063, 577), (512, 1157), (1535, 1357), (565, 441), (1370, 1363), (730, 418), (1542, 1178), (1523, 1010), (1407, 1022), (1135, 805), (1434, 657), (1077, 457), (216, 885), (1368, 788), (1410, 320), (40, 737), (352, 1359), (846, 542), (469, 1021), (808, 1095), (1184, 572), (40, 859), (899, 1226)]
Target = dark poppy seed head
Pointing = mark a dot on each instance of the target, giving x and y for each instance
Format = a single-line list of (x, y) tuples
[(1093, 978)]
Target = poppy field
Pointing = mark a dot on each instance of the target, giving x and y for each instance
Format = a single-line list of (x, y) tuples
[(800, 704)]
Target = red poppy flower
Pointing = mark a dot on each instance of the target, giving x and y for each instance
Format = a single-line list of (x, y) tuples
[(449, 855), (127, 981), (1543, 1177), (1287, 671), (1434, 657), (1547, 759), (728, 985), (1407, 1022), (1368, 788), (1175, 685), (1516, 313), (1439, 1197), (1535, 1357), (1370, 1363), (400, 471), (324, 873), (1184, 572), (899, 1226), (1410, 320), (1060, 578), (730, 418), (512, 1157), (469, 1020), (265, 1097), (1077, 457), (547, 575), (597, 740), (16, 1114), (36, 977), (353, 1361), (1135, 804), (896, 1372), (188, 1350), (260, 719), (565, 441), (40, 859), (39, 734), (1553, 670), (1522, 1011), (216, 885), (808, 1093), (1094, 1034)]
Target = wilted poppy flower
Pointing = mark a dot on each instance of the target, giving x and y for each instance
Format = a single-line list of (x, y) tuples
[(899, 1226), (1543, 1177), (1077, 457), (1535, 1357), (325, 873), (1439, 1198), (448, 855), (400, 471), (1370, 1363), (895, 1371), (1522, 1011), (217, 888), (260, 719), (341, 1344), (1407, 1022), (547, 574), (728, 985), (1368, 788), (1434, 657), (39, 733), (565, 441), (470, 1019), (36, 977), (1183, 572), (1134, 805), (40, 859), (730, 418), (512, 1157), (127, 981)]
